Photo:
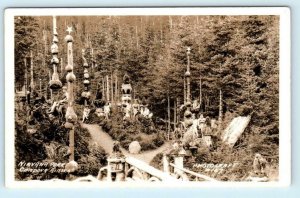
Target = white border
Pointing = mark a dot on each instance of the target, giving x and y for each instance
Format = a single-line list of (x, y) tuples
[(284, 94)]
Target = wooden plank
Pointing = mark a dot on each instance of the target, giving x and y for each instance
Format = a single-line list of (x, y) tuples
[(149, 169)]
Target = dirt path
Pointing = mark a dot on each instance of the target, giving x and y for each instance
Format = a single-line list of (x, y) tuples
[(106, 142)]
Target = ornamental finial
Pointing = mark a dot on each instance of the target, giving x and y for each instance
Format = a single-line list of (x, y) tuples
[(69, 29), (188, 50)]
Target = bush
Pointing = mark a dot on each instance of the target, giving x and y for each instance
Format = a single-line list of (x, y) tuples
[(141, 130), (91, 163), (50, 144)]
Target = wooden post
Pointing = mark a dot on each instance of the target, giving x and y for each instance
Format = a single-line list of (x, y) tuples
[(178, 161), (166, 164), (109, 171), (71, 145)]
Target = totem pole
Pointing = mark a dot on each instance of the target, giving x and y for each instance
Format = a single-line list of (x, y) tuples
[(187, 113), (188, 83), (71, 117), (55, 83), (190, 133), (86, 93)]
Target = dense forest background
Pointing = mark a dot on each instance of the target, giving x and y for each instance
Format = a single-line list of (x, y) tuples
[(235, 55)]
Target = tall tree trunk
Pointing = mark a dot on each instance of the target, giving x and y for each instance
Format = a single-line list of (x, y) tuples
[(175, 113), (133, 88), (45, 50), (26, 89), (31, 72), (92, 68), (161, 33), (220, 105), (51, 93), (40, 86), (112, 87), (220, 112), (136, 36), (200, 94), (26, 78), (116, 89), (103, 89), (107, 89), (170, 22), (169, 117), (61, 67), (184, 91), (177, 105)]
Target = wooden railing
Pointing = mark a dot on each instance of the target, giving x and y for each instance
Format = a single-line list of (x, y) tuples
[(197, 175), (153, 172)]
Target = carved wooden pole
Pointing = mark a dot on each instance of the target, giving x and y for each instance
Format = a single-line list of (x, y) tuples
[(187, 113), (188, 75), (86, 93), (71, 117), (55, 83), (44, 58)]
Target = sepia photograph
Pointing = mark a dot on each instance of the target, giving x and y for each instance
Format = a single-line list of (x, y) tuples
[(147, 96)]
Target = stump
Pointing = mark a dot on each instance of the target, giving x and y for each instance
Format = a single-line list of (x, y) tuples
[(134, 147)]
